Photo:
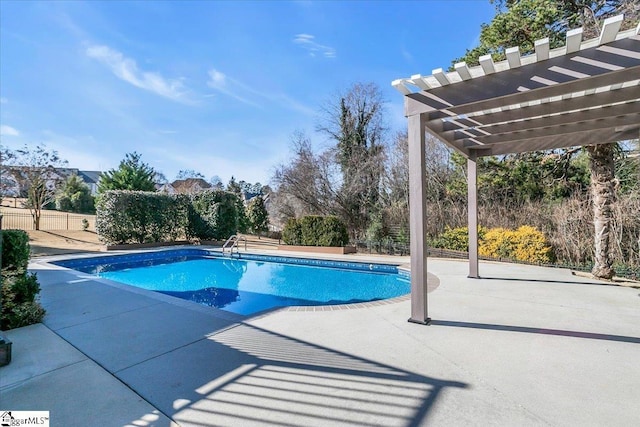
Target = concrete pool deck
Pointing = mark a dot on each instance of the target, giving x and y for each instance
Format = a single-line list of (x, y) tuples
[(522, 346)]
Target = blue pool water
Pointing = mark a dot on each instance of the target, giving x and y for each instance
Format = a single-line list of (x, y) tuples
[(247, 286)]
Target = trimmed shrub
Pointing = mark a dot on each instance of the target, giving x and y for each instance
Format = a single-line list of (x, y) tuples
[(333, 233), (313, 230), (311, 227), (292, 232), (213, 215), (125, 216), (15, 250)]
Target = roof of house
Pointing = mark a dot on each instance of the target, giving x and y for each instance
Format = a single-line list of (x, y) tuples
[(90, 177), (190, 185)]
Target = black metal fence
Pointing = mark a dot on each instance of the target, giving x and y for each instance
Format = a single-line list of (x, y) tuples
[(49, 222)]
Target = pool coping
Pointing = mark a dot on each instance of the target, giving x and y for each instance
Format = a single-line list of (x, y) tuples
[(401, 266)]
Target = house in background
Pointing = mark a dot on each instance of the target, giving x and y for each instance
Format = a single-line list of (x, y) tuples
[(165, 188), (189, 186), (90, 178), (10, 181), (247, 197)]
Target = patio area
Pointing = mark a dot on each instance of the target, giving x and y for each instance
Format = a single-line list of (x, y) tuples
[(521, 346)]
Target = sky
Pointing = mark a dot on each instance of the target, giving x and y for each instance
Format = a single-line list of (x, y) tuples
[(216, 87)]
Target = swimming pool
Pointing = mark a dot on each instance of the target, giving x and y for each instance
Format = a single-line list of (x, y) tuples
[(251, 283)]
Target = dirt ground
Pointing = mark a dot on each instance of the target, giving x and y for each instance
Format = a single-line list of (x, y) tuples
[(44, 243)]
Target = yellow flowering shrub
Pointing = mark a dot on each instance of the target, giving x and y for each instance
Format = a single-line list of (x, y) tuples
[(524, 244), (497, 243)]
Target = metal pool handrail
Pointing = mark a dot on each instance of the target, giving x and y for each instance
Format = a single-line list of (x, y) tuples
[(232, 242)]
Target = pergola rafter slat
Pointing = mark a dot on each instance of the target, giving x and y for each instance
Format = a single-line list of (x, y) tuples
[(583, 103), (552, 142), (558, 129), (467, 98), (580, 116), (583, 93)]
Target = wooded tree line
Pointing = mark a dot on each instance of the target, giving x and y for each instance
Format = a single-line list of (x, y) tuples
[(549, 190), (363, 177)]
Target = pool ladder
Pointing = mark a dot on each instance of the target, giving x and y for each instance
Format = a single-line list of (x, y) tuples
[(232, 243)]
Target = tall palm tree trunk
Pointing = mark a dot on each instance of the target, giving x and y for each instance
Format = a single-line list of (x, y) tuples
[(601, 165)]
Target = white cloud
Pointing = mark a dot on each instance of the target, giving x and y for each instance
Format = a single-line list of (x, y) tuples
[(406, 54), (217, 78), (8, 131), (230, 87), (307, 41), (248, 95), (127, 70)]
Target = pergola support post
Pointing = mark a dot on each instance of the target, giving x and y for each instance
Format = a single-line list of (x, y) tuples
[(472, 209), (417, 219)]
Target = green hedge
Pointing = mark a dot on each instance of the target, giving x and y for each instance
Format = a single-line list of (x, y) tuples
[(15, 250), (313, 230), (213, 215), (292, 232), (125, 216)]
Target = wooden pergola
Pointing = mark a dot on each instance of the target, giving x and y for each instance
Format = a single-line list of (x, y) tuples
[(583, 93)]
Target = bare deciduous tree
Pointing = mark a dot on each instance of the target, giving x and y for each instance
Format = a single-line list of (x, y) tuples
[(300, 190), (36, 172), (355, 121)]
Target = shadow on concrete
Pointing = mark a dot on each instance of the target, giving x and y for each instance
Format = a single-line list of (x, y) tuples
[(40, 251), (247, 374), (558, 332), (63, 245), (62, 236), (201, 368)]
